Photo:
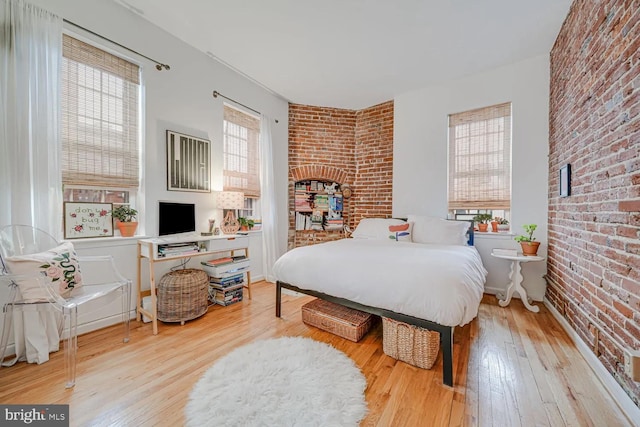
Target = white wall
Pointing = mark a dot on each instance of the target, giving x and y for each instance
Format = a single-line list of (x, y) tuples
[(180, 100), (420, 153)]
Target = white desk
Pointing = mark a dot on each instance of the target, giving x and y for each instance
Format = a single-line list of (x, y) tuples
[(148, 249), (515, 276)]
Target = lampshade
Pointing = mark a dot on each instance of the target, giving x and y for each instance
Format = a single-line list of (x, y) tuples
[(230, 200)]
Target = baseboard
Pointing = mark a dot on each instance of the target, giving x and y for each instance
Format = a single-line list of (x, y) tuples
[(631, 411)]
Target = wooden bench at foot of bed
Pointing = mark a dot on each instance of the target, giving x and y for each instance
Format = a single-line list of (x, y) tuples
[(446, 332)]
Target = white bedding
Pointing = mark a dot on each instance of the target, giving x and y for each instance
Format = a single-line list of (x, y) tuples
[(441, 283)]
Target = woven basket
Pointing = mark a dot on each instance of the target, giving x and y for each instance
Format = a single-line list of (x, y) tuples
[(337, 319), (183, 295), (410, 344)]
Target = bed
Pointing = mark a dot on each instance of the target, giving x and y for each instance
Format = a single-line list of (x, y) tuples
[(421, 271)]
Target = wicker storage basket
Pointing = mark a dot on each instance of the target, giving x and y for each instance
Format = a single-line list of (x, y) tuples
[(410, 344), (337, 319), (183, 295)]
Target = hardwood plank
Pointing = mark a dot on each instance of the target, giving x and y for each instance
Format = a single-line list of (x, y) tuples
[(511, 367)]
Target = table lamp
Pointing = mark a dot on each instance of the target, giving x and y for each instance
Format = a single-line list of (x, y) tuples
[(231, 200)]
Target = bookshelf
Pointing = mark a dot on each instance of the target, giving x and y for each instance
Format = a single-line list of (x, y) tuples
[(163, 249), (318, 206)]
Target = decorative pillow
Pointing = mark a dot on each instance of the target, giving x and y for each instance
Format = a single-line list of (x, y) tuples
[(427, 229), (375, 228), (400, 232), (60, 264)]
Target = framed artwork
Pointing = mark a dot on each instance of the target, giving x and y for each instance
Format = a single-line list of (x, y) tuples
[(188, 163), (565, 180), (84, 219)]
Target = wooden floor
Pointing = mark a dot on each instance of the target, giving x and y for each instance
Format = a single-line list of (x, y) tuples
[(511, 368)]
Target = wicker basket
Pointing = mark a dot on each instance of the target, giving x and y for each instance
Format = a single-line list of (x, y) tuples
[(410, 344), (183, 295), (337, 319)]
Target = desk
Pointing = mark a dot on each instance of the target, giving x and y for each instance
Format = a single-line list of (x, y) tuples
[(149, 249), (515, 276)]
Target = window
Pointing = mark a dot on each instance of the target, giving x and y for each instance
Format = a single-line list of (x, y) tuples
[(100, 125), (480, 162), (241, 158)]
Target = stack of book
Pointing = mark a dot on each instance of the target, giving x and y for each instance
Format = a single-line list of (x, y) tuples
[(505, 252), (334, 224), (226, 291), (321, 202), (302, 202)]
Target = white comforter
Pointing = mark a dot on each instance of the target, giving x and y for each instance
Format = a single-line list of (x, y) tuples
[(441, 283)]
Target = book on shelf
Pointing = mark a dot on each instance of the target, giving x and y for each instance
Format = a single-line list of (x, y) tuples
[(226, 288), (505, 252), (218, 261), (335, 202)]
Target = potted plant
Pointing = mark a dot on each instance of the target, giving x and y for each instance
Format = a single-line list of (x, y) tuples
[(501, 224), (125, 216), (527, 241), (483, 221), (246, 224)]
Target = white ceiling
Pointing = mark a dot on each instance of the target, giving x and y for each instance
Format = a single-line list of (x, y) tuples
[(358, 53)]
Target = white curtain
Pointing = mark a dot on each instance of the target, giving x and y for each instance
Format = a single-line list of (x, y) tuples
[(30, 178), (30, 60), (268, 200)]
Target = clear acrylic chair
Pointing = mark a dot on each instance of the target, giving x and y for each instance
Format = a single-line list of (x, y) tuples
[(20, 240)]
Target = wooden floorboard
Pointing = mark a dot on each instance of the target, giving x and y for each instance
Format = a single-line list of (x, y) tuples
[(511, 368)]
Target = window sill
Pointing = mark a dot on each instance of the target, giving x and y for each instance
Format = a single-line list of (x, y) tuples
[(104, 242), (507, 235)]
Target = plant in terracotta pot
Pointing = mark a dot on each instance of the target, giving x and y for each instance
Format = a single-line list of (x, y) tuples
[(527, 241), (501, 224), (125, 216), (483, 221), (246, 224)]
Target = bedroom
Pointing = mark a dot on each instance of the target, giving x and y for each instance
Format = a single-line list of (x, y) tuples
[(181, 100)]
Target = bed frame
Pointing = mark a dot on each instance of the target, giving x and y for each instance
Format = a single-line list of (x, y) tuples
[(446, 332)]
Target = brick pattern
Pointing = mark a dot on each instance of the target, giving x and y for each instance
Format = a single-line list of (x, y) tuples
[(374, 162), (594, 247), (353, 148)]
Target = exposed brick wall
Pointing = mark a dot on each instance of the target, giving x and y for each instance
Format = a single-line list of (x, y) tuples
[(374, 162), (321, 146), (353, 148), (594, 247)]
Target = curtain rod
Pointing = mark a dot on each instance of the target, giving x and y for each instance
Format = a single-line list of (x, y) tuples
[(218, 94), (159, 65)]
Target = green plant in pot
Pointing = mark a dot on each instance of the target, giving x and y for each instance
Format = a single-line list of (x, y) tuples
[(483, 221), (527, 241), (126, 223), (245, 223)]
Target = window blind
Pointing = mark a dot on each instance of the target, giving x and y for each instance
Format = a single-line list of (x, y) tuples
[(241, 162), (100, 101), (480, 158)]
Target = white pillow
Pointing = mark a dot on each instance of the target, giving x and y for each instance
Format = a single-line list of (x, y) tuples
[(59, 263), (428, 229), (375, 228)]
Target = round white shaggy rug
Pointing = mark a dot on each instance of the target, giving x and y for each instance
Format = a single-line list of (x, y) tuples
[(289, 381)]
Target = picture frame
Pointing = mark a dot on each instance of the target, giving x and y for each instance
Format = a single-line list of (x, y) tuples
[(565, 180), (87, 219), (188, 163)]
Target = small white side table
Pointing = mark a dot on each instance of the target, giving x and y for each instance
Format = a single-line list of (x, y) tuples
[(515, 276)]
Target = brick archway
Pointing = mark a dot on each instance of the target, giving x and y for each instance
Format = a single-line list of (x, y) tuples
[(327, 173)]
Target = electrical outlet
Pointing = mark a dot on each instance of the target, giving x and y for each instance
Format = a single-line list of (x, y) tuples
[(632, 364)]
